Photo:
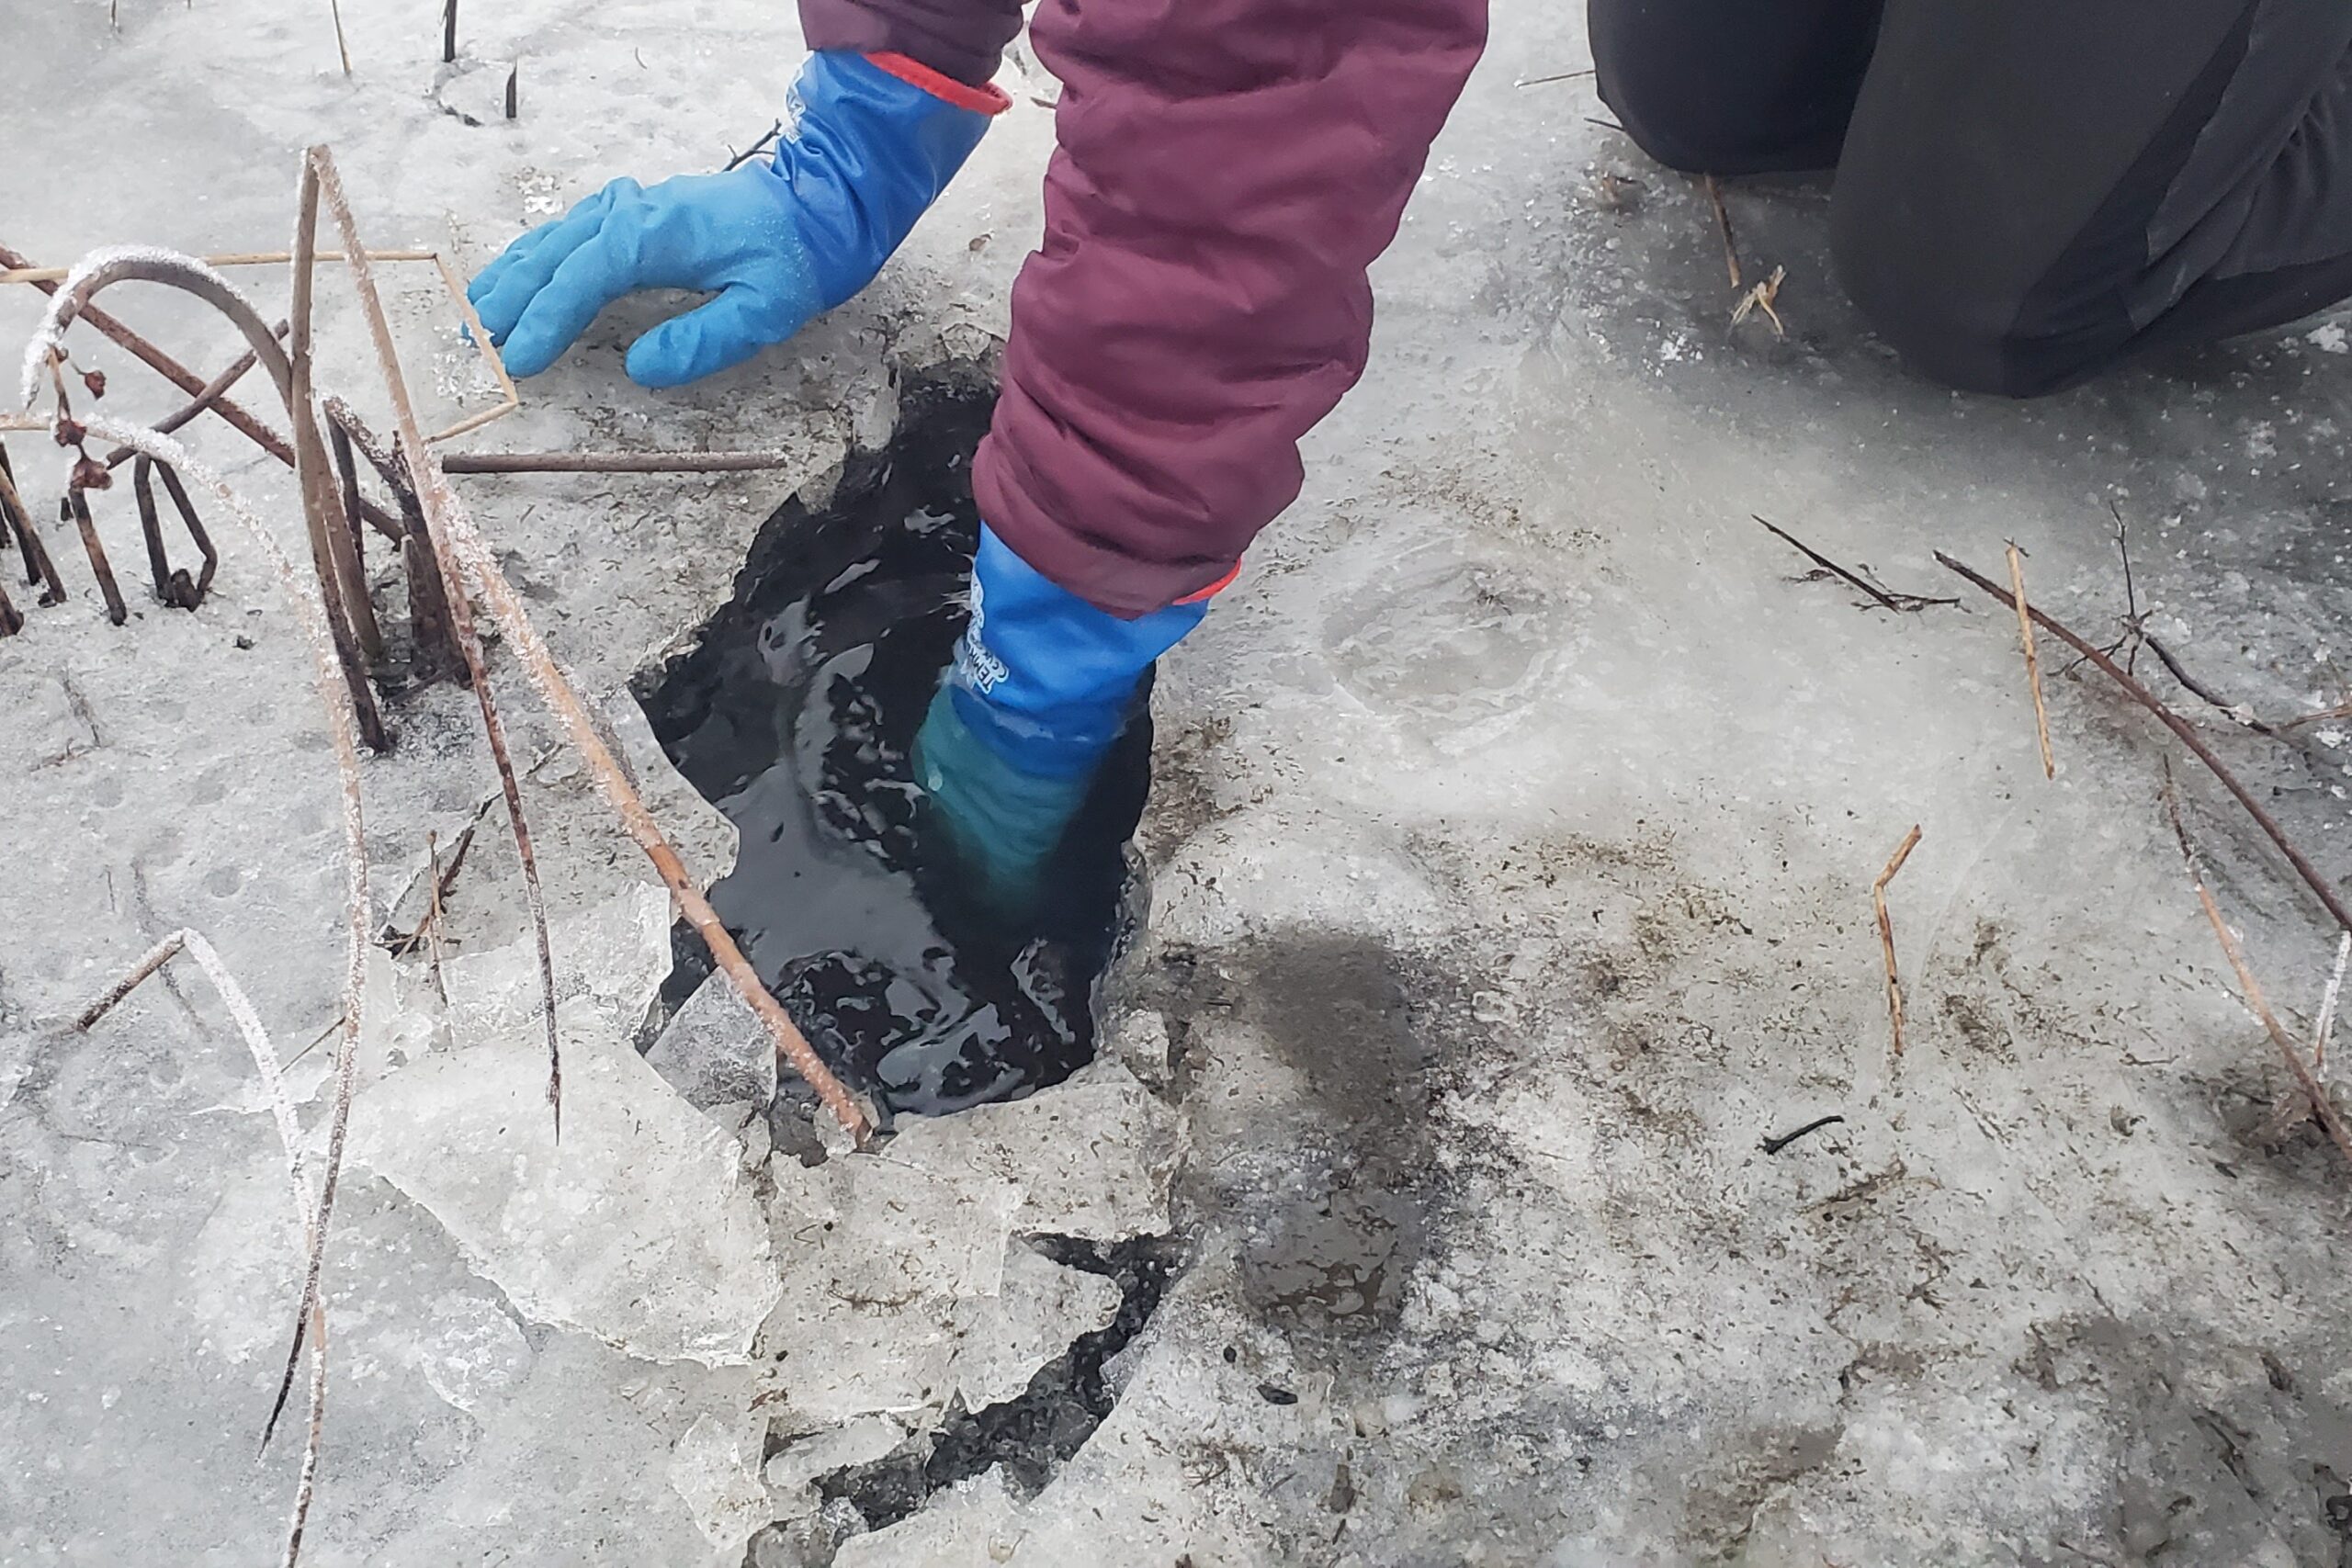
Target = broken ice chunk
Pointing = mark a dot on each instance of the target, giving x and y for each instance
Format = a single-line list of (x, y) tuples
[(1093, 1157), (715, 1050), (635, 1230), (716, 1468)]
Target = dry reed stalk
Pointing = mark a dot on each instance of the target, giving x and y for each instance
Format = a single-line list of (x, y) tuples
[(1722, 224), (2326, 1025), (2322, 1107), (2033, 658), (1886, 931), (455, 541), (2187, 735)]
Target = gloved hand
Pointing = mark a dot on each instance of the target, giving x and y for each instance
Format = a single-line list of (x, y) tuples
[(1042, 684), (873, 142)]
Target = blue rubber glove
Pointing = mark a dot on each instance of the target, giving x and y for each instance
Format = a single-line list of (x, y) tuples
[(1042, 684), (778, 242)]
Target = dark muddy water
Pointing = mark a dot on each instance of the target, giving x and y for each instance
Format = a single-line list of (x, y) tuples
[(795, 716)]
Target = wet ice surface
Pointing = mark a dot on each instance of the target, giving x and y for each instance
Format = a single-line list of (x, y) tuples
[(1515, 819), (795, 715)]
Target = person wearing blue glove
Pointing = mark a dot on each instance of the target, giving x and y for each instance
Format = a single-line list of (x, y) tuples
[(874, 140), (1041, 686), (1225, 175)]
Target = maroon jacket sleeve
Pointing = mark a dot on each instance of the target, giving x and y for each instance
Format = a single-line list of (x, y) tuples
[(1227, 171), (962, 38)]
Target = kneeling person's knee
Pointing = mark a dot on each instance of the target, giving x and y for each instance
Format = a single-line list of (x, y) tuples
[(1962, 308)]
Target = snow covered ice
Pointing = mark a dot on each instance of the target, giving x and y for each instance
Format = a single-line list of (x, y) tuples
[(1513, 823)]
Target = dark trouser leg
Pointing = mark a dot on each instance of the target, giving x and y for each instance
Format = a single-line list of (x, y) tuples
[(2033, 190), (1733, 87)]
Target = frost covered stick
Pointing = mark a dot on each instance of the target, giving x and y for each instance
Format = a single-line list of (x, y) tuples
[(2033, 660), (162, 364), (454, 540), (334, 695)]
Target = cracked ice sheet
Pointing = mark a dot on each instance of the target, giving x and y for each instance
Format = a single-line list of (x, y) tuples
[(1093, 1157), (635, 1230), (593, 1461), (901, 1283), (614, 954)]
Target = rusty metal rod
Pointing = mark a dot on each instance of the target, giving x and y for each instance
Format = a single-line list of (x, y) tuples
[(76, 509), (39, 568), (613, 462), (203, 399), (188, 381)]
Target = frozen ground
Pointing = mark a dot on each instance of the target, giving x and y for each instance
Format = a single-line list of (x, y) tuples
[(1510, 857)]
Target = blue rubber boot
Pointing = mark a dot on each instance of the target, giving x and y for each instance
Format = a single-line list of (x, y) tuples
[(1042, 684)]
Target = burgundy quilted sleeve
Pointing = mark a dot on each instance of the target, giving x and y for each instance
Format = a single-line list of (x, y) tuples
[(962, 38), (1227, 171)]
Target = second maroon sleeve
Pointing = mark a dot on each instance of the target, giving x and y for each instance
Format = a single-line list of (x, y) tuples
[(959, 39), (1227, 171)]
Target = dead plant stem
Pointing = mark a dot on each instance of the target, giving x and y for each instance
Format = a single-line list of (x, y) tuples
[(1886, 932), (2321, 1107), (2033, 660), (2185, 731)]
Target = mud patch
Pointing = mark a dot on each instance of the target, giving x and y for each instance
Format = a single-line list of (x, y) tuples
[(795, 715)]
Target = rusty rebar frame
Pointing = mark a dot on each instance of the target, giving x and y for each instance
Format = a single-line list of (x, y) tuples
[(75, 509), (173, 586), (39, 569), (436, 653)]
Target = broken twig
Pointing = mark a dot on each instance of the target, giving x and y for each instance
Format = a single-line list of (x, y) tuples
[(2033, 660), (1762, 298), (1722, 224), (1887, 599), (2327, 1002), (1886, 931), (1774, 1145), (2184, 730)]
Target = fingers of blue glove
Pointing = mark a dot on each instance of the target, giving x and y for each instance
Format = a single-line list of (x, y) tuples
[(487, 279), (532, 265), (597, 272), (726, 330)]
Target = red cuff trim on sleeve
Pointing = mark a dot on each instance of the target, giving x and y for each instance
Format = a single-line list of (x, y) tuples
[(1214, 589), (989, 100)]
